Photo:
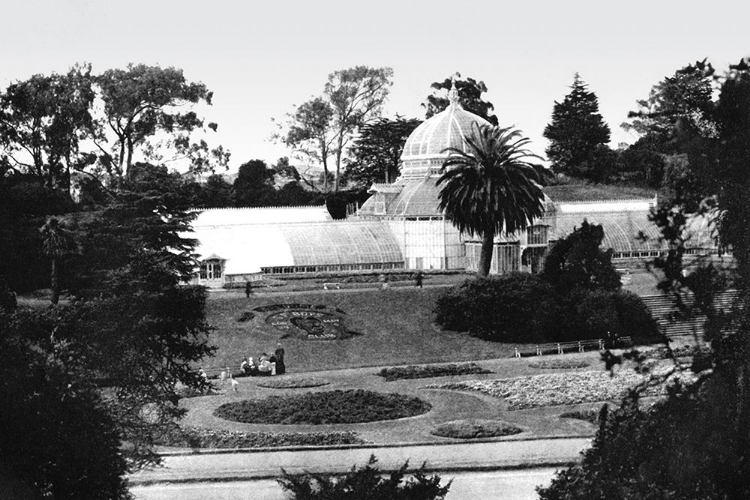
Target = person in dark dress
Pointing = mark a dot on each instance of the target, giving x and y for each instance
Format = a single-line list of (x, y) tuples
[(418, 278), (248, 289), (279, 354)]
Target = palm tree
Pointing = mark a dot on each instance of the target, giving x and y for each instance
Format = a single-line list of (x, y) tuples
[(58, 242), (491, 189)]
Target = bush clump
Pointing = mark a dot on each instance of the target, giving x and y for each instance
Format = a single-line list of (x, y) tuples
[(413, 371), (475, 429), (577, 296), (319, 408), (515, 307)]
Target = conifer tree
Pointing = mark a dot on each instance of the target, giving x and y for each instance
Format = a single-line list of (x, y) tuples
[(577, 133)]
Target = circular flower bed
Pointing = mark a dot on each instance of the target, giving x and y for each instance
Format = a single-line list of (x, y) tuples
[(332, 407), (292, 383), (475, 429)]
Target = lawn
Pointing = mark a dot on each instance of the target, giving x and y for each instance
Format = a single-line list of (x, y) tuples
[(395, 327)]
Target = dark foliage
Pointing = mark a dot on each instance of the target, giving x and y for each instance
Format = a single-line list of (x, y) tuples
[(376, 153), (694, 444), (469, 96), (254, 185), (365, 483), (516, 307), (577, 261), (331, 407), (578, 135), (577, 296), (60, 436)]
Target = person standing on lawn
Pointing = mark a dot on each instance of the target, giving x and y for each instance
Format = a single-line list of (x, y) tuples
[(418, 279), (280, 366), (248, 289)]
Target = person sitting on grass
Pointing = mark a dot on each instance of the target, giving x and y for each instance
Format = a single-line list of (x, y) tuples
[(245, 367), (264, 367)]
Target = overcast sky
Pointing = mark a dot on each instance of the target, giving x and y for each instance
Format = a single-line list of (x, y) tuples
[(262, 58)]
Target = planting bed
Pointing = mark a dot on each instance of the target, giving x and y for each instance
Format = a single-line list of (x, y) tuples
[(194, 437), (555, 389), (475, 429), (411, 372), (291, 383), (332, 407)]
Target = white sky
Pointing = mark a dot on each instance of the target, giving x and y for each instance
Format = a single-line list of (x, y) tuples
[(261, 58)]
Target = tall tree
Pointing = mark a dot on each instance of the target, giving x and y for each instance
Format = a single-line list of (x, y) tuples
[(577, 132), (43, 121), (375, 155), (142, 101), (492, 189), (309, 133), (356, 96), (253, 186), (578, 261), (323, 127), (469, 96)]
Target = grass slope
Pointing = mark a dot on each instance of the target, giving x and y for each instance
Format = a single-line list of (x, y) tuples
[(396, 327)]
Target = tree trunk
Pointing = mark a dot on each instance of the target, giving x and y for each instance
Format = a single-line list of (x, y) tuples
[(54, 283), (485, 254)]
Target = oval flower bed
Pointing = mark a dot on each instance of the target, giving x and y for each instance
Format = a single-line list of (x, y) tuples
[(332, 407), (475, 429)]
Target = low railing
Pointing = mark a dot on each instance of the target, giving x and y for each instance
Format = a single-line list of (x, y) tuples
[(568, 347)]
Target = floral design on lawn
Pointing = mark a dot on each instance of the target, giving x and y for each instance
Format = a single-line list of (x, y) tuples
[(557, 389)]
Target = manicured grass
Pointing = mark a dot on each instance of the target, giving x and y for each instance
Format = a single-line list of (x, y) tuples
[(411, 372), (292, 383), (396, 327), (475, 429), (194, 437), (319, 408)]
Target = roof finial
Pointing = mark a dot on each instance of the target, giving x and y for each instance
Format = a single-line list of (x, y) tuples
[(453, 93)]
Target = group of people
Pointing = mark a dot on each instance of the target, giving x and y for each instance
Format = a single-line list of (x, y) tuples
[(265, 365)]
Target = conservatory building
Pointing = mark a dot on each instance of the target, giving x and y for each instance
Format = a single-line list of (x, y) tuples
[(401, 226)]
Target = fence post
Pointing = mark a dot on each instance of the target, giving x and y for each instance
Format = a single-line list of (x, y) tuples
[(580, 346), (601, 345)]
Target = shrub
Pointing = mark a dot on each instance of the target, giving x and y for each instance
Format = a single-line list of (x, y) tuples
[(475, 429), (507, 308), (606, 314), (367, 482), (412, 372), (332, 407)]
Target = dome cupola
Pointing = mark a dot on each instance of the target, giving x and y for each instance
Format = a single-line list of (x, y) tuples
[(424, 150)]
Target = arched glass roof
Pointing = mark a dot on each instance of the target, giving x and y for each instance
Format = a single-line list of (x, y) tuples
[(248, 248)]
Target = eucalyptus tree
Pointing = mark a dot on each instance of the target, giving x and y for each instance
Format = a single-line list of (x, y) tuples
[(492, 188)]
